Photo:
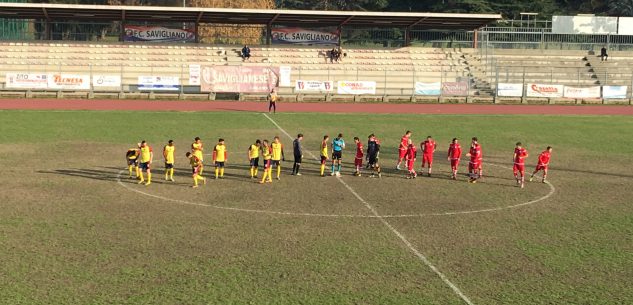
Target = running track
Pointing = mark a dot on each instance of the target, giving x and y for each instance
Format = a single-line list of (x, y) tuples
[(146, 105)]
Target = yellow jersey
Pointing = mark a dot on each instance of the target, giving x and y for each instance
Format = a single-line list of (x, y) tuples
[(220, 153), (196, 149), (277, 151), (132, 154), (253, 151), (266, 152), (146, 154), (168, 153), (194, 161), (324, 149)]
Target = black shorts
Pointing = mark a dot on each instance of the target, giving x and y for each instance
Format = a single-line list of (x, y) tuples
[(169, 165), (372, 161), (255, 162), (298, 159), (219, 164), (337, 155), (144, 166), (323, 159), (276, 162), (132, 162)]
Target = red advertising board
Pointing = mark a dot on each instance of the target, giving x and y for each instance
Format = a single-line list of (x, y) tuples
[(239, 79)]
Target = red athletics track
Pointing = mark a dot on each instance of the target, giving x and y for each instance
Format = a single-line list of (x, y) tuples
[(62, 104)]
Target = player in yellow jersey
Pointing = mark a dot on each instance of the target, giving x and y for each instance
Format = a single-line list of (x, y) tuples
[(267, 155), (196, 149), (131, 156), (168, 154), (196, 166), (277, 155), (253, 157), (324, 154), (146, 158), (219, 158)]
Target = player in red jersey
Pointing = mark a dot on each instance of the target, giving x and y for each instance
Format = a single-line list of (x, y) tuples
[(428, 148), (474, 165), (358, 161), (518, 169), (543, 163), (454, 154), (410, 157), (403, 147)]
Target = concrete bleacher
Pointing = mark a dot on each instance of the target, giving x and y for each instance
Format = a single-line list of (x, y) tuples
[(616, 71)]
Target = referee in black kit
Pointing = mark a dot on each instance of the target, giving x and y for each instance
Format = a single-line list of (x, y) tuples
[(298, 152)]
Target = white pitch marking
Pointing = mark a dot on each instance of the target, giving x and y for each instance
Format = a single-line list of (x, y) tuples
[(402, 238)]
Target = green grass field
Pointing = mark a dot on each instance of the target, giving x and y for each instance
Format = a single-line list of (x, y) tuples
[(73, 230)]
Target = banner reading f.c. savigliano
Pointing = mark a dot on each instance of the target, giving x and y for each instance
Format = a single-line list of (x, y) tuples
[(157, 34), (304, 36)]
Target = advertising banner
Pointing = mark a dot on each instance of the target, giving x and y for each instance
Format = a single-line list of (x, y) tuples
[(194, 75), (509, 90), (106, 81), (69, 81), (313, 86), (284, 76), (541, 90), (581, 92), (303, 36), (356, 87), (157, 34), (455, 88), (239, 79), (428, 88), (159, 83), (614, 91), (26, 80)]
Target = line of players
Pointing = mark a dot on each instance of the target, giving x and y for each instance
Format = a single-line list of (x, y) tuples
[(140, 158)]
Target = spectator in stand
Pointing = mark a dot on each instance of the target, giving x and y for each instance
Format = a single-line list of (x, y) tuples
[(332, 55), (246, 53), (603, 54), (340, 54)]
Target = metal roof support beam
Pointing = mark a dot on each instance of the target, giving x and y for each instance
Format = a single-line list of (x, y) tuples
[(346, 21), (122, 28), (417, 22), (273, 19), (46, 14)]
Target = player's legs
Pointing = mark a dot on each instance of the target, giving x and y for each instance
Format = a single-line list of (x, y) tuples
[(278, 169), (544, 174), (149, 176), (323, 160), (522, 175), (401, 154)]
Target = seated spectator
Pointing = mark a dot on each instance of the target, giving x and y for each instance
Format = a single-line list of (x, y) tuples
[(603, 54), (332, 55), (246, 53), (339, 52)]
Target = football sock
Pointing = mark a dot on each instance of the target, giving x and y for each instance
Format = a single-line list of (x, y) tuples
[(130, 169), (339, 167), (278, 171), (322, 169), (195, 180), (166, 174), (297, 170), (171, 173), (255, 171), (252, 171), (141, 176), (149, 177), (332, 167), (217, 171), (222, 172)]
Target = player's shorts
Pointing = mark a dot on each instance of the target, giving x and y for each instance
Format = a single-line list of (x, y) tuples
[(472, 165), (518, 168), (454, 163), (298, 158), (542, 167), (219, 164), (255, 162), (132, 162), (275, 162), (427, 159), (267, 163), (480, 163), (372, 160), (196, 170), (337, 155), (144, 166), (402, 153), (323, 159), (169, 165), (358, 161)]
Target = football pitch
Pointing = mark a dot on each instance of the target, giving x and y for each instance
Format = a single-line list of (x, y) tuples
[(74, 229)]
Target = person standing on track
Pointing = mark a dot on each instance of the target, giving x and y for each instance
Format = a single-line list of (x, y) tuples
[(338, 144), (402, 148), (454, 154), (297, 150), (474, 165), (373, 153), (253, 157), (543, 163), (272, 100), (428, 149), (520, 153), (146, 158), (324, 153), (168, 153)]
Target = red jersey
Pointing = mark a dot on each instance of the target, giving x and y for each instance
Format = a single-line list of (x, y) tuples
[(404, 143), (454, 151), (359, 150), (428, 147), (519, 155), (475, 153), (411, 152), (543, 158)]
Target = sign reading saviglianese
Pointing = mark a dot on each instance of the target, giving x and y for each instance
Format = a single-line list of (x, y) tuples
[(509, 90), (303, 36), (157, 34), (428, 88), (106, 81), (581, 92), (69, 81), (26, 80), (159, 83), (239, 79), (541, 90), (356, 87), (614, 91), (313, 86), (455, 88)]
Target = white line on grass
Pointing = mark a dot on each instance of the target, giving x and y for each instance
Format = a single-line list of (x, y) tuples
[(402, 238)]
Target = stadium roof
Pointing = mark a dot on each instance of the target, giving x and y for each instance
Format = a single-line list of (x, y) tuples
[(157, 14)]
